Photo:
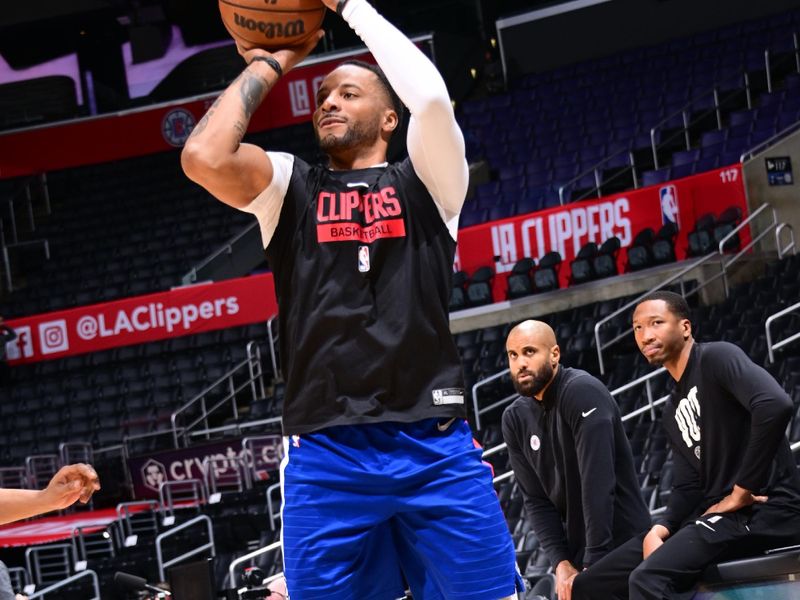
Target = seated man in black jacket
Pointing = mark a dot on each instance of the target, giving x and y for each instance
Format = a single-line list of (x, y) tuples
[(735, 489), (570, 457)]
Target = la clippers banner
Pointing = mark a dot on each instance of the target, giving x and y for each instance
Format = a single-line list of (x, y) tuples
[(156, 129), (182, 311), (150, 471), (566, 229)]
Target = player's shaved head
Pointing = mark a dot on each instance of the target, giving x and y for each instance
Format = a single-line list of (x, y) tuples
[(533, 356), (537, 331)]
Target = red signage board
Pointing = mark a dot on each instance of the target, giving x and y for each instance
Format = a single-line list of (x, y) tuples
[(182, 311), (154, 129), (500, 244), (565, 229)]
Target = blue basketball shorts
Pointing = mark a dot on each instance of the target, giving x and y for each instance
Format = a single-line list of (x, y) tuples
[(368, 509)]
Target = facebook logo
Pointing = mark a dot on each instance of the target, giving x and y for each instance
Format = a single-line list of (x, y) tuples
[(22, 347), (669, 205)]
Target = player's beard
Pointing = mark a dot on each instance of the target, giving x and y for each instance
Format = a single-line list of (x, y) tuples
[(536, 384), (357, 134)]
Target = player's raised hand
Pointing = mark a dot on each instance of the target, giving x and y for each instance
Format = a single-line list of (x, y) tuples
[(70, 484), (287, 57)]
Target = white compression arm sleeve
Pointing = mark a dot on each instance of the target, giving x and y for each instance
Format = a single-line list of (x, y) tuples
[(435, 142)]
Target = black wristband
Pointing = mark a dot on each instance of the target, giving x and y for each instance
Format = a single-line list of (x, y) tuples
[(276, 66), (340, 7)]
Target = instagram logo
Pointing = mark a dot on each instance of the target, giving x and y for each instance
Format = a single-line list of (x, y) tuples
[(53, 336)]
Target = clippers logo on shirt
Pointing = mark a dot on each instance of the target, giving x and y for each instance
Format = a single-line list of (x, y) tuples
[(356, 216), (687, 417)]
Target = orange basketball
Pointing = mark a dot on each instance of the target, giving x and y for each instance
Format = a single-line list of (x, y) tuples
[(271, 24)]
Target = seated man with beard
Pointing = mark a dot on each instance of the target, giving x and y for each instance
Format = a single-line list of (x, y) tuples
[(570, 457)]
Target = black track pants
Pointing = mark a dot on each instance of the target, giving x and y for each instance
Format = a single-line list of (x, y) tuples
[(672, 571)]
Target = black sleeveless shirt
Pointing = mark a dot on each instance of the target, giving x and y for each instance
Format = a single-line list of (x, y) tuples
[(363, 266)]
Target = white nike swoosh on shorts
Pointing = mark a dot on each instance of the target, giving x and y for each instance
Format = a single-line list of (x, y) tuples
[(444, 426), (588, 412)]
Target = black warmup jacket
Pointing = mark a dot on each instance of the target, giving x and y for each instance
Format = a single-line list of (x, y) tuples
[(726, 422), (363, 267), (573, 462)]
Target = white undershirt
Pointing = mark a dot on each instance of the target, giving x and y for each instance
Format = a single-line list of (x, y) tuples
[(435, 142)]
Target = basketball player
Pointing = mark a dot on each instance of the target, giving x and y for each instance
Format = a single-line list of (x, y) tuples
[(70, 484), (381, 478), (735, 490), (570, 457)]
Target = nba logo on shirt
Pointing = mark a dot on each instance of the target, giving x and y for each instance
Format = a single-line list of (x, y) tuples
[(669, 204), (363, 259)]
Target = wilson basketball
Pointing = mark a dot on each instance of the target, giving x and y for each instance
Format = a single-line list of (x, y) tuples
[(271, 24)]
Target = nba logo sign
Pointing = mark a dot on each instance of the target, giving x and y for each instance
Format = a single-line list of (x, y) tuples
[(363, 259), (669, 204)]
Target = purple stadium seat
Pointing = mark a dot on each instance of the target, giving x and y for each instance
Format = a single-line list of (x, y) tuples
[(685, 157), (707, 163), (713, 138), (657, 176), (683, 170), (741, 117)]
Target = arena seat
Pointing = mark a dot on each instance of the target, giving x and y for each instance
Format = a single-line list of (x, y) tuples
[(770, 566), (520, 281)]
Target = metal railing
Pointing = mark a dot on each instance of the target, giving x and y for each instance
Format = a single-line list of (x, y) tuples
[(19, 578), (131, 442), (274, 338), (478, 412), (225, 248), (599, 182), (14, 477), (753, 241), (248, 557), (760, 147), (45, 563), (165, 564), (790, 247), (190, 492), (725, 265), (222, 473), (40, 183), (771, 347), (251, 367), (93, 544), (40, 469), (135, 523), (273, 514), (651, 404), (70, 580), (74, 452), (259, 451)]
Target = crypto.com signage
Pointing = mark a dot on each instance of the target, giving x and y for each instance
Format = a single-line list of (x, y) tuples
[(148, 472), (141, 319)]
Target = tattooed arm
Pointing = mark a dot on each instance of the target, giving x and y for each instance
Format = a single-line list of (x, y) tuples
[(214, 155)]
